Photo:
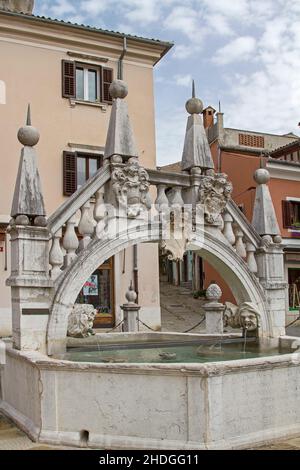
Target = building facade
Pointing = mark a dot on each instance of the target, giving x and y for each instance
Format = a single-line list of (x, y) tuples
[(239, 153), (64, 71)]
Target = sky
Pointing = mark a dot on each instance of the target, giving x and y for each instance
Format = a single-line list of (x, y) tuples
[(243, 53)]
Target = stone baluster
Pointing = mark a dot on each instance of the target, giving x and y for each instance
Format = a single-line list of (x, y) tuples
[(161, 200), (56, 257), (239, 244), (175, 198), (86, 226), (100, 212), (228, 230), (251, 261), (70, 242)]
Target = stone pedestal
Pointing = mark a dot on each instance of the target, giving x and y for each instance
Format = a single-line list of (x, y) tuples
[(270, 261), (30, 287), (214, 318), (214, 311), (131, 315)]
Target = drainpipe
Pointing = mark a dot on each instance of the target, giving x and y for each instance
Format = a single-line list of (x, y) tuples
[(120, 63), (120, 77), (135, 248)]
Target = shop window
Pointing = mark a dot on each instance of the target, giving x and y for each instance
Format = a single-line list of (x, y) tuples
[(99, 292)]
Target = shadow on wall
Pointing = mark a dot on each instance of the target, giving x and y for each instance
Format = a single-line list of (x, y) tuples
[(2, 92)]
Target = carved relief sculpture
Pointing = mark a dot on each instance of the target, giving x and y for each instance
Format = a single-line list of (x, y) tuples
[(245, 316), (81, 320), (214, 193), (130, 185)]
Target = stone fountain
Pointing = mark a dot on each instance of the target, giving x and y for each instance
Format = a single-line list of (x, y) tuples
[(211, 402)]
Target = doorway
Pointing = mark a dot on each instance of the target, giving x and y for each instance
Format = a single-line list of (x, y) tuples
[(98, 291)]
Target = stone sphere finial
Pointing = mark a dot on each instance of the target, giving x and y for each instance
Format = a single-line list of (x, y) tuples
[(131, 295), (194, 106), (262, 176), (213, 293), (118, 89), (28, 135)]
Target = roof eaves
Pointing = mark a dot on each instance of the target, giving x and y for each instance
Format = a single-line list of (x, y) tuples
[(165, 44)]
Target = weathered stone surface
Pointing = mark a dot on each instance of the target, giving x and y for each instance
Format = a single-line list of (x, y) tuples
[(214, 193), (245, 316), (20, 6), (196, 152), (120, 139), (264, 217), (130, 185), (170, 411), (81, 319), (28, 199)]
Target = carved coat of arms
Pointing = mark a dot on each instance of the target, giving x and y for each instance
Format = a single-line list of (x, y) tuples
[(131, 185), (214, 193)]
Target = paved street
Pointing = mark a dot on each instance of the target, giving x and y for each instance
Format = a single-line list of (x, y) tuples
[(180, 311)]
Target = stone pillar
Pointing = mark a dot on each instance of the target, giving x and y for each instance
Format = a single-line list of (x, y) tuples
[(131, 312), (270, 262), (29, 280), (270, 257), (214, 310), (30, 286)]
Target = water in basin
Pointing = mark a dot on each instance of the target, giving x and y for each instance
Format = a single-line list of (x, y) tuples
[(180, 352)]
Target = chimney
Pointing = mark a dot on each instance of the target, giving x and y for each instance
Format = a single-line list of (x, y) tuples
[(17, 6), (208, 117)]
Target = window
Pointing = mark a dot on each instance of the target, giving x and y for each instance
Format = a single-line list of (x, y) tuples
[(99, 292), (291, 214), (78, 168), (85, 82)]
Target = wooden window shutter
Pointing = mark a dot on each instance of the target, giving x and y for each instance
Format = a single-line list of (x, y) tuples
[(107, 78), (287, 214), (69, 173), (68, 79)]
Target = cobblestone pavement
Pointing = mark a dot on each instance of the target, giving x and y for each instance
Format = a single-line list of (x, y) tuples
[(11, 438), (180, 311)]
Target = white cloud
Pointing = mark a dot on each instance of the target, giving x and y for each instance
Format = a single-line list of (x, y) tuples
[(183, 80), (94, 7), (62, 7), (184, 20), (240, 49), (228, 8)]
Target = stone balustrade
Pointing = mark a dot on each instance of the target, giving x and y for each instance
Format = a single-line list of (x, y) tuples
[(83, 216)]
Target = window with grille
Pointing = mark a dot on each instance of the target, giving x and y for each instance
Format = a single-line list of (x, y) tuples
[(250, 140)]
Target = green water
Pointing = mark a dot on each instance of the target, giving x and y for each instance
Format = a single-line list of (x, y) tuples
[(162, 353)]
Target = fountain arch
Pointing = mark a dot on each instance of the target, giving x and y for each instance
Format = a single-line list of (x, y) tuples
[(245, 285)]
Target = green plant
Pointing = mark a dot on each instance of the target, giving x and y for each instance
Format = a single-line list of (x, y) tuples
[(199, 293)]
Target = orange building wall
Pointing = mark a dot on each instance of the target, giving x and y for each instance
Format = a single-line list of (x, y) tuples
[(280, 189), (212, 275)]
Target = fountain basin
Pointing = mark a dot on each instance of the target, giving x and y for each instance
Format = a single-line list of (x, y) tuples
[(213, 405)]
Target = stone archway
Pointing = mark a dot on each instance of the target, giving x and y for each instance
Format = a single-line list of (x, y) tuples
[(244, 284)]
